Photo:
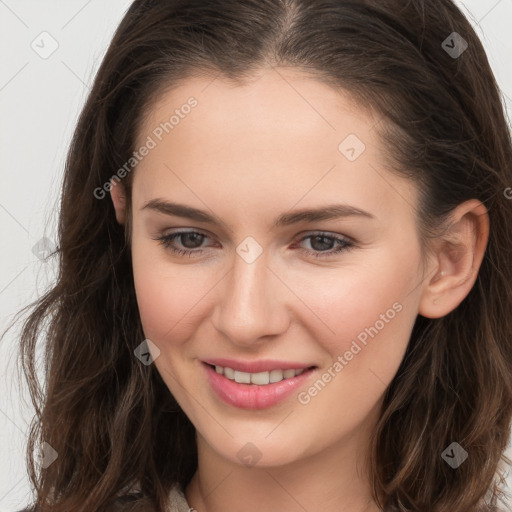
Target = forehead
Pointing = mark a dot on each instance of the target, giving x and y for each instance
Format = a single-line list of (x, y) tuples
[(283, 137), (287, 100)]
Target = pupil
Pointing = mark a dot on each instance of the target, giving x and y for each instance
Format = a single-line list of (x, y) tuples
[(188, 236), (320, 237)]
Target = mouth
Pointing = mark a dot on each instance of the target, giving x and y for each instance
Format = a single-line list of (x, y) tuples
[(259, 378), (255, 390)]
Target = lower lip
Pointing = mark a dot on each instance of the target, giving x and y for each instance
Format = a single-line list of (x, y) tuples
[(252, 396)]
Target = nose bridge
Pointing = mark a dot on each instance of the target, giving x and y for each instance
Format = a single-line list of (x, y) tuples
[(250, 303)]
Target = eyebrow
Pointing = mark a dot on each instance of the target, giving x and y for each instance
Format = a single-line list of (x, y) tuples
[(329, 212)]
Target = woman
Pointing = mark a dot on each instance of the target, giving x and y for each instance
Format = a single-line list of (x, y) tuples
[(285, 278)]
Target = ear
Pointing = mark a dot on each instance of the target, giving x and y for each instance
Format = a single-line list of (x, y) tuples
[(118, 195), (458, 254)]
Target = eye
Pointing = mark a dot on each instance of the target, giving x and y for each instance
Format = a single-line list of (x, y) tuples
[(322, 244), (187, 238)]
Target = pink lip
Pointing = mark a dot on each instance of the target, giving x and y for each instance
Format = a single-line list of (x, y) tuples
[(252, 396), (256, 366)]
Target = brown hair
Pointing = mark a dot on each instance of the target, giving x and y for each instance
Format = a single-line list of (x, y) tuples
[(110, 418)]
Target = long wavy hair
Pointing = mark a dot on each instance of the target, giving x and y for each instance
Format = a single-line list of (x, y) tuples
[(111, 420)]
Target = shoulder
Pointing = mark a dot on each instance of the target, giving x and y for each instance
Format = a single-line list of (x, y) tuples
[(137, 502), (132, 502), (490, 508)]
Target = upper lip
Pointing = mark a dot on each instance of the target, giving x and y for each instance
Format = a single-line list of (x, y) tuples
[(265, 365)]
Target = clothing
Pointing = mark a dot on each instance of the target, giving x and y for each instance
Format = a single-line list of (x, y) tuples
[(178, 501), (131, 502), (134, 502)]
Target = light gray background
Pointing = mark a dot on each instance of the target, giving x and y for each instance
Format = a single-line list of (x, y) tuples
[(40, 99)]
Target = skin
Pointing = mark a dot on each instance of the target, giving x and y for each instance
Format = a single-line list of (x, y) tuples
[(248, 154)]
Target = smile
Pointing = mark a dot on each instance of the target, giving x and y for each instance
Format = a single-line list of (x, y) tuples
[(255, 390), (260, 378)]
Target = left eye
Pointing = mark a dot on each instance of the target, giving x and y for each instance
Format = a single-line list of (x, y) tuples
[(192, 240), (322, 240), (186, 237)]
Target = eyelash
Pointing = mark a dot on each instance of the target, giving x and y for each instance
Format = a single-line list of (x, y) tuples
[(167, 240)]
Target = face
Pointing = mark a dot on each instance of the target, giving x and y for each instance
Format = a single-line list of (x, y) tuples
[(255, 284)]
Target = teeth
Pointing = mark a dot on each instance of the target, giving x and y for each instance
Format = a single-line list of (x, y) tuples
[(260, 378), (276, 375), (242, 377), (229, 373)]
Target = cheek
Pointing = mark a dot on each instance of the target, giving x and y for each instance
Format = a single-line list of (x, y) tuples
[(364, 354), (168, 297), (366, 324), (363, 303)]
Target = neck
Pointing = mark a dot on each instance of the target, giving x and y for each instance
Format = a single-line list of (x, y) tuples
[(334, 479)]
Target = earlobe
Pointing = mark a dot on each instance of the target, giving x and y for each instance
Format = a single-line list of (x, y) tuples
[(458, 255), (118, 195)]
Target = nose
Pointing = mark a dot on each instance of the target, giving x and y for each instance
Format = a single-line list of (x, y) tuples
[(252, 303)]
